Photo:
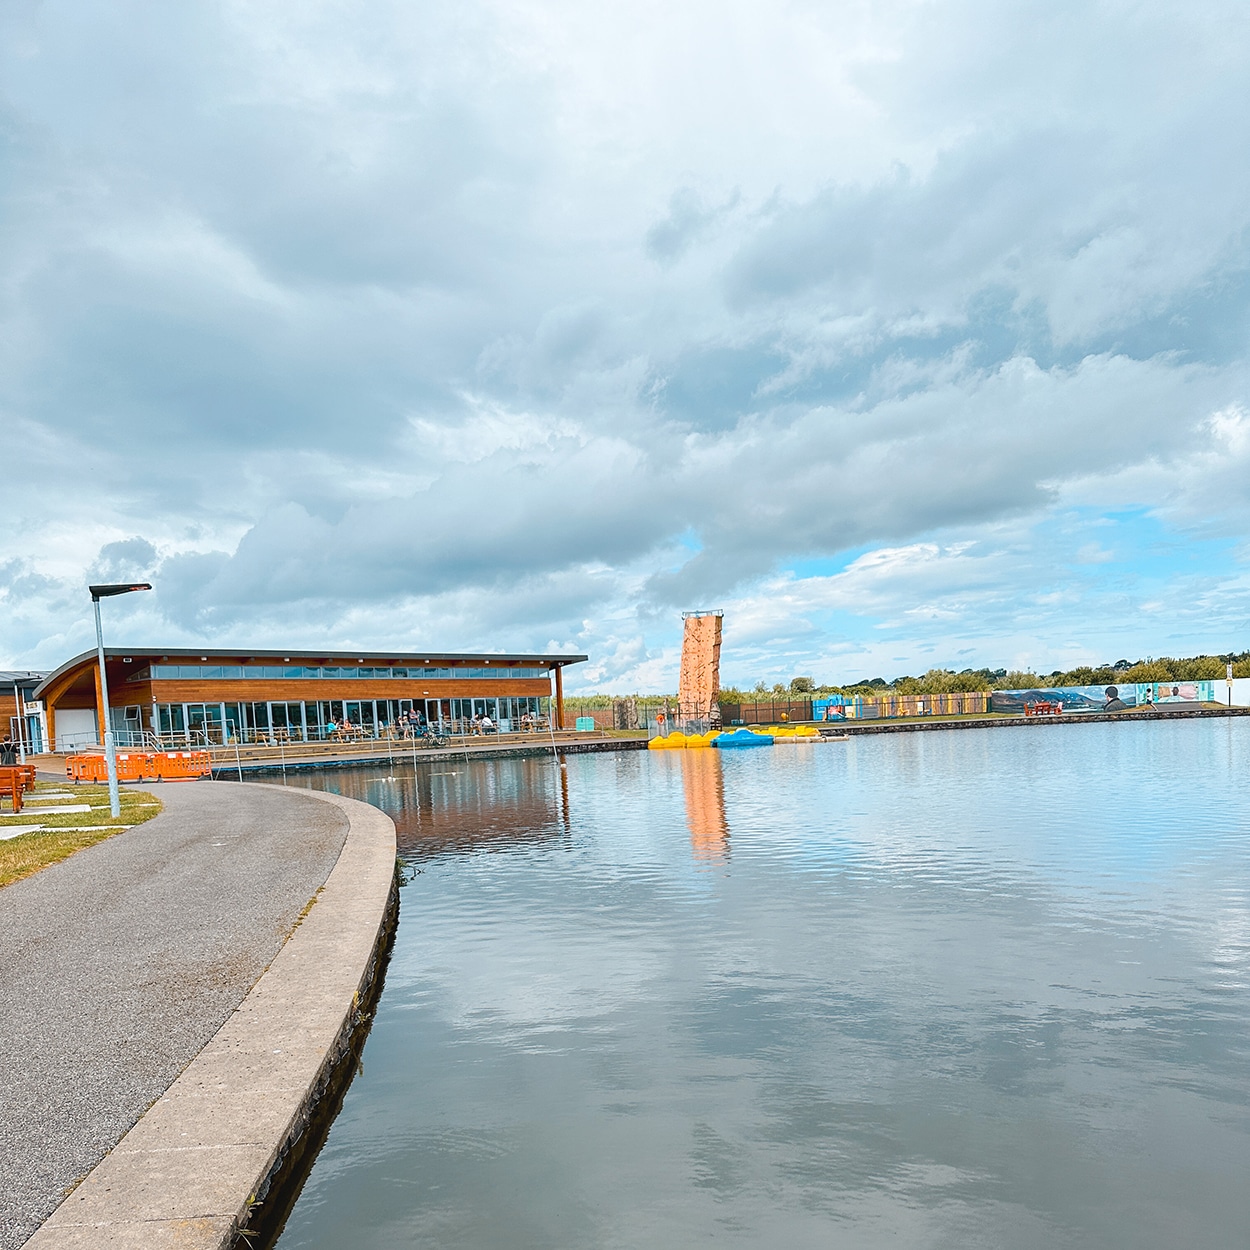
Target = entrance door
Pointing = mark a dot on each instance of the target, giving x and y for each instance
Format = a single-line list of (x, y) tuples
[(171, 721), (204, 722), (258, 722), (286, 721)]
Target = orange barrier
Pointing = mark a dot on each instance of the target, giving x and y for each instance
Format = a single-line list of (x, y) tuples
[(131, 766), (141, 766), (181, 765), (86, 768)]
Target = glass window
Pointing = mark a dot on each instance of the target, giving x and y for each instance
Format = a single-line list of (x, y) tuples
[(239, 672), (204, 721)]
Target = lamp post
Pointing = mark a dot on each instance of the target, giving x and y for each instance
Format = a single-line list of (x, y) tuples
[(110, 755)]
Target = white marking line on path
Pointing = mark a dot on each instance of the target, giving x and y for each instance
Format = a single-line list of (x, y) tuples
[(65, 808), (16, 831)]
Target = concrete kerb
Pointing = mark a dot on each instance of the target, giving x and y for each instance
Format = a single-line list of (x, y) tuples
[(195, 1168)]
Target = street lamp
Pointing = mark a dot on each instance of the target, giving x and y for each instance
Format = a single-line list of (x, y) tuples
[(110, 755)]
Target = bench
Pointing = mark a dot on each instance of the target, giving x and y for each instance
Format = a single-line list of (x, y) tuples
[(15, 780)]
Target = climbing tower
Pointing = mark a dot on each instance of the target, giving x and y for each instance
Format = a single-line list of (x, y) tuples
[(700, 668)]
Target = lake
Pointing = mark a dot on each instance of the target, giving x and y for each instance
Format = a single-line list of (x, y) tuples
[(985, 988)]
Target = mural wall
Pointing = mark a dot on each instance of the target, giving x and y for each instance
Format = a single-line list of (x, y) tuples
[(1110, 698)]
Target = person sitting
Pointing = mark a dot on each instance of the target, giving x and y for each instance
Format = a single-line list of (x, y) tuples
[(488, 725), (1114, 703)]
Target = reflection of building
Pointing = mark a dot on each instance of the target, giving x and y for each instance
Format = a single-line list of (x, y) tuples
[(201, 695), (700, 668), (703, 782)]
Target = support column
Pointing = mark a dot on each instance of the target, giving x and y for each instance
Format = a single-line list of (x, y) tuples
[(101, 727), (559, 696)]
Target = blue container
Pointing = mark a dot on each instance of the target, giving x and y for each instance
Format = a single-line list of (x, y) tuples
[(742, 738)]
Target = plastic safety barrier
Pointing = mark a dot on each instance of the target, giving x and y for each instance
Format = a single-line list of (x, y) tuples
[(141, 766), (182, 765)]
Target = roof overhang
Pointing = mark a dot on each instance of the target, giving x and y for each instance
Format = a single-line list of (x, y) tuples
[(64, 675)]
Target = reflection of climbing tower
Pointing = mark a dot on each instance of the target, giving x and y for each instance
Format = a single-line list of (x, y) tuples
[(703, 782), (700, 668)]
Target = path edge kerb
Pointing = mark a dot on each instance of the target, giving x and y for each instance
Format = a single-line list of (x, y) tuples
[(193, 1169)]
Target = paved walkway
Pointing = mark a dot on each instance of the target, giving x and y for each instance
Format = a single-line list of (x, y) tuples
[(118, 965)]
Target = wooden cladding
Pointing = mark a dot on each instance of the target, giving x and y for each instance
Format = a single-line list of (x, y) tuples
[(299, 690)]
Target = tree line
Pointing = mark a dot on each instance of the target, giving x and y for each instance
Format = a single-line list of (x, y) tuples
[(948, 681)]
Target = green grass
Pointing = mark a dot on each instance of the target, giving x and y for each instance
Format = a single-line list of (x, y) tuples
[(64, 833)]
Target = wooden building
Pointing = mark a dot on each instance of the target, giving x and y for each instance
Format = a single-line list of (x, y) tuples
[(200, 695), (21, 715)]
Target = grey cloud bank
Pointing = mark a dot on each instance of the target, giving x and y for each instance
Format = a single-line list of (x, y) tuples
[(527, 326)]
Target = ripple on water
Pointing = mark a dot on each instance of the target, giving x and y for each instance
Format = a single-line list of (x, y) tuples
[(986, 988)]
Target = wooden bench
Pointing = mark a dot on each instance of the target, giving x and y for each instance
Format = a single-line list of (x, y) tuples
[(15, 780)]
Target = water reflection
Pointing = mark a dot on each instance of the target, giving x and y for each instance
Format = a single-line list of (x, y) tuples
[(978, 989), (456, 807), (703, 782)]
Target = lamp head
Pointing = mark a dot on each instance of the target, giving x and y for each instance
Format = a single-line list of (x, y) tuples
[(105, 592)]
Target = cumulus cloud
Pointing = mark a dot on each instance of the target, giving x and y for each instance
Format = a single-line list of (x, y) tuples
[(516, 325)]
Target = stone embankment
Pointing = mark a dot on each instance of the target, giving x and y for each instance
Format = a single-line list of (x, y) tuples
[(174, 1003)]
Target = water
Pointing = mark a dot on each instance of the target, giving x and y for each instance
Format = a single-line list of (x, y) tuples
[(973, 989)]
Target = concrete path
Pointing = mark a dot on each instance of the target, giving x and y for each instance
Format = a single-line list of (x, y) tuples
[(118, 966)]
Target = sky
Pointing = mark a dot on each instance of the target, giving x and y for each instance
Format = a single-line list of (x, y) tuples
[(910, 333)]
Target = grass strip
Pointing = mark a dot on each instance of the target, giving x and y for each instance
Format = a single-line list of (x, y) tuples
[(63, 833)]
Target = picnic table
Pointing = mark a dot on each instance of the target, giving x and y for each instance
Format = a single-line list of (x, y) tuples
[(1043, 707), (15, 780)]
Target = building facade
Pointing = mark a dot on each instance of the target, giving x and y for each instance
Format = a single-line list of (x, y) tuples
[(199, 696), (21, 714)]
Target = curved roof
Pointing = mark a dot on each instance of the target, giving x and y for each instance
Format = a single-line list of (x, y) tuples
[(65, 674)]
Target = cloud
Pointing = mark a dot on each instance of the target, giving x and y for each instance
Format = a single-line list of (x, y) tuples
[(124, 560), (506, 324), (688, 219)]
